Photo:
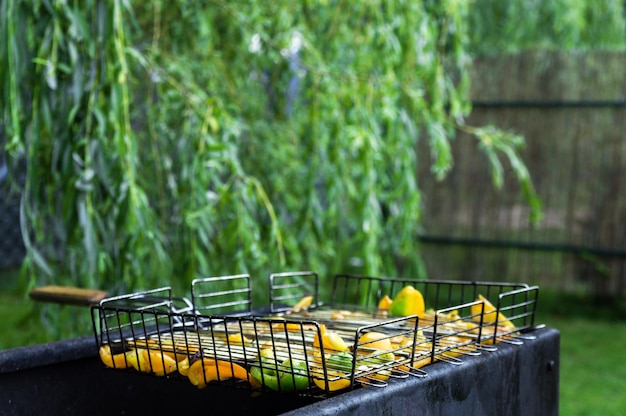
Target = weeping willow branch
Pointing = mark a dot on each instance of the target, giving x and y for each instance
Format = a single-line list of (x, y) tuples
[(496, 143), (173, 140)]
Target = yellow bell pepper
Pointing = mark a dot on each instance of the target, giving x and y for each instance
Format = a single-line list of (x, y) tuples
[(239, 339), (375, 340), (151, 361), (331, 342), (303, 303), (419, 363), (409, 301), (335, 380), (423, 350), (203, 371), (385, 302), (374, 351), (489, 314), (183, 366), (112, 360)]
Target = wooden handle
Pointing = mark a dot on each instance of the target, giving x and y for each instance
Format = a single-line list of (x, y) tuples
[(67, 295)]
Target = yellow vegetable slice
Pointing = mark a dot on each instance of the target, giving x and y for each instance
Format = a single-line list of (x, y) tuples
[(409, 301), (337, 380), (489, 314), (331, 341), (151, 361), (375, 340), (206, 370), (112, 360), (422, 362), (239, 339), (385, 302), (380, 343), (183, 366), (303, 303), (423, 353)]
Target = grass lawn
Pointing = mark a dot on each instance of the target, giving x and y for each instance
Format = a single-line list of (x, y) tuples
[(593, 336), (592, 367), (20, 324)]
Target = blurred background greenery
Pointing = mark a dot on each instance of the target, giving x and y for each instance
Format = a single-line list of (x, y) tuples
[(163, 141)]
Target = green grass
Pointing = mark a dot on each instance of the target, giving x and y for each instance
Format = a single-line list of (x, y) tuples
[(593, 369), (26, 322), (593, 341), (20, 324)]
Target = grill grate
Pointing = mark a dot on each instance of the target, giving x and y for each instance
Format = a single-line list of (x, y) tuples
[(315, 351)]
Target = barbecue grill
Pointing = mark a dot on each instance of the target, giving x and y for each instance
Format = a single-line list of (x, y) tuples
[(451, 359)]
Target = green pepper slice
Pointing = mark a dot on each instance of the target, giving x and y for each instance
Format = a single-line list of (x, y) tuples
[(290, 375), (341, 361)]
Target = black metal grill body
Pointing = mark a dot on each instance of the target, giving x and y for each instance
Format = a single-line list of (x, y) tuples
[(67, 377)]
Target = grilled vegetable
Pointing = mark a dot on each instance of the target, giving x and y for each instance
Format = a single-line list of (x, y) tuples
[(409, 301), (331, 342), (418, 363), (205, 370), (374, 351), (303, 303), (341, 361), (338, 371), (183, 366), (376, 341), (151, 361), (422, 352), (336, 380), (112, 360), (239, 339), (385, 302), (290, 375), (372, 366), (489, 314)]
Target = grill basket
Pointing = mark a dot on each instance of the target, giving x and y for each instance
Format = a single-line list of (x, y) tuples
[(317, 351)]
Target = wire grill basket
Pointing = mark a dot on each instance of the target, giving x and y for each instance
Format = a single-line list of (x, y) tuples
[(317, 349)]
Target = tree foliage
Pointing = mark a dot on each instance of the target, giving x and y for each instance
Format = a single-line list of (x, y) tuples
[(168, 140), (511, 26)]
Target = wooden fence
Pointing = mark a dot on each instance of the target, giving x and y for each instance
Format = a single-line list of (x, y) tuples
[(571, 110)]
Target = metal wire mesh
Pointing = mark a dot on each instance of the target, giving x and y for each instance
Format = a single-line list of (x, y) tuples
[(317, 350)]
